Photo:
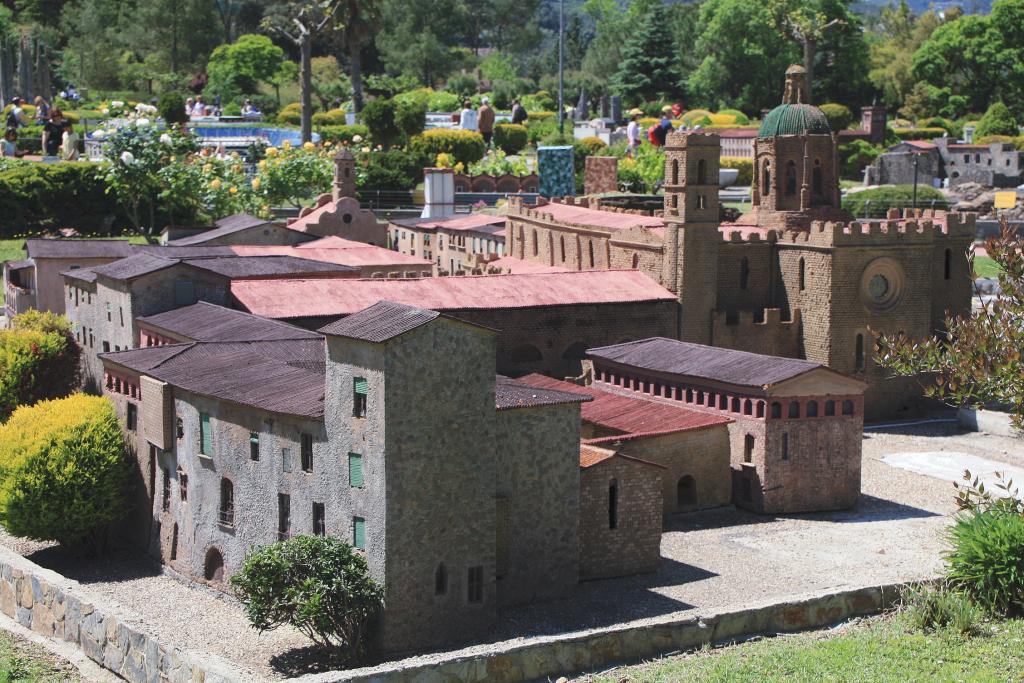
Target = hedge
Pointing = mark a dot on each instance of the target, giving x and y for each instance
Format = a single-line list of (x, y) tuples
[(63, 470), (876, 202), (839, 116), (47, 196), (394, 169), (38, 360), (919, 133), (464, 146), (290, 114), (1017, 141), (745, 166), (510, 138), (332, 117), (344, 134)]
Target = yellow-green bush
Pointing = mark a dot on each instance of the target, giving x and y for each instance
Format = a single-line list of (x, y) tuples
[(745, 166), (331, 117), (919, 133), (38, 360), (465, 146), (63, 470), (694, 115), (510, 138), (290, 114), (539, 115)]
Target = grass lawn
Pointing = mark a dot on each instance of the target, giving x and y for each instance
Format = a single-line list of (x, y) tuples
[(12, 250), (984, 266), (25, 662), (878, 649)]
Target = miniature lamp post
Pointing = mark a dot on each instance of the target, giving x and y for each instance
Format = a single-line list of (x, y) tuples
[(561, 61), (915, 180)]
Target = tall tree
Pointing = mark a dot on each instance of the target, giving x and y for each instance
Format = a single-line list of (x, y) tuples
[(420, 39), (300, 22), (359, 21), (896, 36), (808, 25), (647, 56)]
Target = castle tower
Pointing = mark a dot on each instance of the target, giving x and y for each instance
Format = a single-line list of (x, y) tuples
[(344, 174), (691, 235)]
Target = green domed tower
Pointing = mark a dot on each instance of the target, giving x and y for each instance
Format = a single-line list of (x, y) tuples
[(796, 177)]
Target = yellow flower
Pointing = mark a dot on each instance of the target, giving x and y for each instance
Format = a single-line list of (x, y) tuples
[(236, 168), (286, 144), (327, 144), (215, 183), (233, 190), (207, 168), (255, 183), (263, 163), (271, 152), (173, 159), (308, 146)]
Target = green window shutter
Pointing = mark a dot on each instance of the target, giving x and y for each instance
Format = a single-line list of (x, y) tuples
[(361, 386), (205, 436), (355, 470), (359, 532)]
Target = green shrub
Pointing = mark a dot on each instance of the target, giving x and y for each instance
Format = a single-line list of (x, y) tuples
[(1017, 142), (997, 121), (987, 557), (839, 116), (586, 147), (919, 133), (462, 85), (332, 117), (510, 138), (318, 584), (876, 202), (540, 101), (855, 156), (35, 365), (290, 114), (63, 470), (538, 116), (943, 123), (171, 107), (931, 608), (394, 169), (343, 134), (411, 117), (444, 102), (47, 196), (464, 146), (379, 117), (745, 166), (741, 119)]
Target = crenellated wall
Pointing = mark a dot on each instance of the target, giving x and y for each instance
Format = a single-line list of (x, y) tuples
[(758, 332)]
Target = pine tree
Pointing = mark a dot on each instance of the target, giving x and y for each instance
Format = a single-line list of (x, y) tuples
[(645, 67)]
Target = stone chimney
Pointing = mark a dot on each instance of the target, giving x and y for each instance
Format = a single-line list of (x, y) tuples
[(796, 86), (344, 174)]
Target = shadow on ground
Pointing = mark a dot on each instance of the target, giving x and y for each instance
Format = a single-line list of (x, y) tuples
[(88, 568)]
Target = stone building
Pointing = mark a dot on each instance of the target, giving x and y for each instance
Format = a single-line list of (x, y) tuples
[(240, 444), (795, 277), (458, 244), (997, 164), (795, 427), (243, 229), (546, 321)]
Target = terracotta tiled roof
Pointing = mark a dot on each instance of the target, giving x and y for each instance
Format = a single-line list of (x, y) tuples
[(633, 417), (518, 266), (704, 362), (203, 321), (472, 221), (920, 144), (579, 215), (380, 322), (351, 253), (511, 393), (742, 133), (593, 455), (76, 248), (298, 298)]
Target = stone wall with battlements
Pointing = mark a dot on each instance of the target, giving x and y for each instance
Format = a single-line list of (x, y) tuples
[(761, 331)]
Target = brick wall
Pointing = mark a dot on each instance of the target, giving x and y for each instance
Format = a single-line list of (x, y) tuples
[(632, 547), (767, 334), (601, 175)]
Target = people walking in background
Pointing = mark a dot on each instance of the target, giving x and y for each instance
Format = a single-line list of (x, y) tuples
[(42, 110), (9, 148), (519, 114), (16, 116), (468, 118), (485, 120), (53, 133), (633, 134), (69, 143)]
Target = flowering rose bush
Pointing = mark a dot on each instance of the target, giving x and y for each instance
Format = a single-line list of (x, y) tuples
[(293, 175)]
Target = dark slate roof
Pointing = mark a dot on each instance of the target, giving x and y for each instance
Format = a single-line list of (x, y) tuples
[(380, 322), (509, 393), (83, 274), (705, 362), (256, 266), (225, 226), (18, 265), (134, 266), (208, 322), (183, 252), (38, 247), (277, 376)]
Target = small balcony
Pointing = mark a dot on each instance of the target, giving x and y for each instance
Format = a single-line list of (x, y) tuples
[(18, 299)]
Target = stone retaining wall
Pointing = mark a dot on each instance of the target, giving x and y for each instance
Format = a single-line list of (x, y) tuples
[(557, 655), (51, 605)]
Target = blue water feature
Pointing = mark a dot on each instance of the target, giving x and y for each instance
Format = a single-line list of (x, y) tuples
[(274, 136)]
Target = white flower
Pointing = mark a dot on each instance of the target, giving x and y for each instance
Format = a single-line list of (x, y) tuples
[(127, 158), (357, 138), (165, 139), (116, 104), (99, 134), (142, 123), (104, 111)]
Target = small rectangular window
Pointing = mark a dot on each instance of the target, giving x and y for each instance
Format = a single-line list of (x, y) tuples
[(475, 584), (183, 485), (307, 452), (205, 435), (132, 417), (284, 516), (319, 520), (106, 347), (286, 459), (108, 312), (355, 470), (165, 498), (359, 533), (254, 445), (360, 388), (785, 446)]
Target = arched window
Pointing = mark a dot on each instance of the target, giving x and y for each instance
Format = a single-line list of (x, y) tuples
[(613, 504), (776, 410), (794, 409), (760, 408), (948, 264), (213, 566), (847, 407), (590, 248), (675, 172), (858, 353), (573, 358), (535, 248), (636, 261), (802, 274), (817, 187), (525, 353), (744, 272), (561, 244), (766, 177), (748, 407), (735, 405), (748, 448), (522, 243), (790, 178), (812, 409), (830, 408), (702, 172), (686, 492), (441, 580), (227, 502)]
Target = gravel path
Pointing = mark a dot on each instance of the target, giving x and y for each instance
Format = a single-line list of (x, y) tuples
[(712, 561)]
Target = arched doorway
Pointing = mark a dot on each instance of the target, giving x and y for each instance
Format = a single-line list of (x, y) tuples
[(686, 493), (213, 567), (573, 357)]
